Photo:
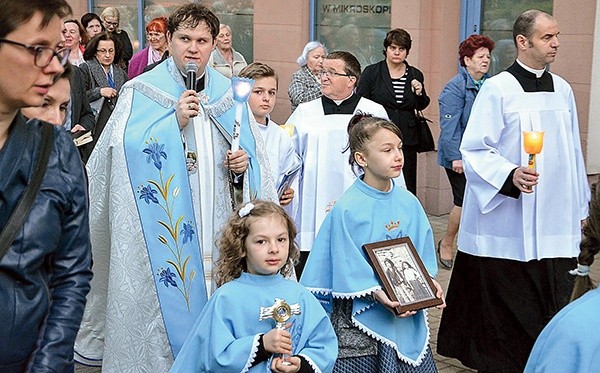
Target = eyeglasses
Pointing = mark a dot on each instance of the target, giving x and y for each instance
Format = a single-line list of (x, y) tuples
[(113, 24), (329, 74), (105, 51), (42, 55)]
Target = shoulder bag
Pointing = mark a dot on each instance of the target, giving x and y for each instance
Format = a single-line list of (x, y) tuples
[(426, 143), (424, 136), (21, 211)]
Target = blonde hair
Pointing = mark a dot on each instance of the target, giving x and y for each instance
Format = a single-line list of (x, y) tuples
[(112, 12), (231, 243), (258, 70)]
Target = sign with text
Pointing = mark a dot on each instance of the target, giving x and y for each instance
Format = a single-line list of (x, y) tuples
[(356, 27)]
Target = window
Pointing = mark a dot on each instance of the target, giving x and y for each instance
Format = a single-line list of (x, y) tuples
[(239, 15), (358, 27)]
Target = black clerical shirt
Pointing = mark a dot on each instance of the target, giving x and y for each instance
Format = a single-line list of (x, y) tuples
[(345, 107), (529, 81)]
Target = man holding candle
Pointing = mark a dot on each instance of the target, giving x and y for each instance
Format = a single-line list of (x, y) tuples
[(520, 227), (162, 182)]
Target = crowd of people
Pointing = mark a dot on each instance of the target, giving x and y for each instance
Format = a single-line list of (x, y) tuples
[(160, 244)]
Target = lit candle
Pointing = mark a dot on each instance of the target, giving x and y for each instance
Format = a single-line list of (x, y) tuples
[(533, 142), (241, 90)]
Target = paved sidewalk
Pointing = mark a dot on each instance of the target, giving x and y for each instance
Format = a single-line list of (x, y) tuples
[(444, 364)]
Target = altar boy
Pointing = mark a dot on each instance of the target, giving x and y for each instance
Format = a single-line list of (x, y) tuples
[(284, 161)]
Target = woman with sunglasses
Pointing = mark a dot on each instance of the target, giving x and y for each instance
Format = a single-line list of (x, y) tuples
[(156, 34)]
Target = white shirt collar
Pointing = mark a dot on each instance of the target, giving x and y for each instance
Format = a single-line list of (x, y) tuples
[(338, 102), (538, 73)]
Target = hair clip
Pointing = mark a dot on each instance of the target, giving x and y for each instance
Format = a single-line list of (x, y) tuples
[(581, 270), (244, 211)]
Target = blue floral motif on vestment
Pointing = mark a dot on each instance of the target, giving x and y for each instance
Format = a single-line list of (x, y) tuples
[(166, 277), (155, 151), (162, 194)]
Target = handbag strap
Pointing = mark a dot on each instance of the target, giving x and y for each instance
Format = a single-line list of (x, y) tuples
[(409, 79), (17, 218)]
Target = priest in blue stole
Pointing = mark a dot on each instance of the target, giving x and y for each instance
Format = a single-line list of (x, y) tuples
[(162, 182)]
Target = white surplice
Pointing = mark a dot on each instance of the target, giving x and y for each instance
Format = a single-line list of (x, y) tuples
[(545, 223), (320, 140)]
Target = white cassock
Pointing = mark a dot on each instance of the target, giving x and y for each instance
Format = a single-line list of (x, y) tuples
[(545, 223), (320, 141)]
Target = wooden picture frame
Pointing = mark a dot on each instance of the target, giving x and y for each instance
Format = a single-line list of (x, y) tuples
[(402, 274)]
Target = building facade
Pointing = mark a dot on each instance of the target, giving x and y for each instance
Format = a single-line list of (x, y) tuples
[(275, 32)]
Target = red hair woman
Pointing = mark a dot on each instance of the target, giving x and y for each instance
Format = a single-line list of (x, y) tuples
[(456, 101), (156, 35)]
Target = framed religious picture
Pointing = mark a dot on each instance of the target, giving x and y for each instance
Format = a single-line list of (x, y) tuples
[(402, 274)]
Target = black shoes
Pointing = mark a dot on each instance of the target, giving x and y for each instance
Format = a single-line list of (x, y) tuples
[(446, 263)]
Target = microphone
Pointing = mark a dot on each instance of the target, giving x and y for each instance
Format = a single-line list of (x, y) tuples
[(191, 69)]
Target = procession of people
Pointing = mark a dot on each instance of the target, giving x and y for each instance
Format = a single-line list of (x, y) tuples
[(153, 217)]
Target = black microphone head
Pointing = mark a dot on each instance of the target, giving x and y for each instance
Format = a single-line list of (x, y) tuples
[(191, 67), (190, 70)]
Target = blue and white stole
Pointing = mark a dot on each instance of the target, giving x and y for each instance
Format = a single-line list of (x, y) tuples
[(157, 170), (159, 180)]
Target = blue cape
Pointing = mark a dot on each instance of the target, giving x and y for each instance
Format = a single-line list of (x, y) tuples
[(338, 267), (225, 337)]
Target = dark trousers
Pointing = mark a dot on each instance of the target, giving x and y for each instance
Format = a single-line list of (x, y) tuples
[(496, 308)]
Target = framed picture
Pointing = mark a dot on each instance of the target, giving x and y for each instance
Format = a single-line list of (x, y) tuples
[(402, 274)]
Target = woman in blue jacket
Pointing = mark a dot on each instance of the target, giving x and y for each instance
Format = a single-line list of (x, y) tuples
[(456, 101)]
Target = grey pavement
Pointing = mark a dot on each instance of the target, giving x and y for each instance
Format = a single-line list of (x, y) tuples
[(444, 364)]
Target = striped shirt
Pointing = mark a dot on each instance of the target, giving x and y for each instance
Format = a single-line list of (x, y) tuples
[(399, 85)]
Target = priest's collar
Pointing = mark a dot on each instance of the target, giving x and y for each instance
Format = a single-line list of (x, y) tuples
[(337, 102), (538, 73), (347, 106), (200, 81), (528, 79)]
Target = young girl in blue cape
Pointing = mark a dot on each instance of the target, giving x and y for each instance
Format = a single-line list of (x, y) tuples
[(371, 338), (257, 250)]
